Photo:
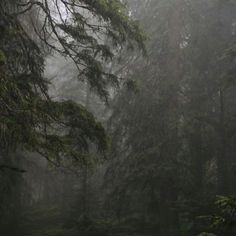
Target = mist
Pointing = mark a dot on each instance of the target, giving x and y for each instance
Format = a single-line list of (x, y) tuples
[(118, 118)]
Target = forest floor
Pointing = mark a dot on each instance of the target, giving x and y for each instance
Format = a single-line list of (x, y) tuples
[(48, 220), (43, 220)]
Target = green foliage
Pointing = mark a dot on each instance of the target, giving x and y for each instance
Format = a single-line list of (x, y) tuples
[(29, 118), (206, 234), (226, 216), (226, 204), (224, 219)]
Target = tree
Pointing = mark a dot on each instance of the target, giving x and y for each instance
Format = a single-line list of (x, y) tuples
[(30, 119), (172, 147), (88, 33)]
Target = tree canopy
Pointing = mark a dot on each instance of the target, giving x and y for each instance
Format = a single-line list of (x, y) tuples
[(87, 32)]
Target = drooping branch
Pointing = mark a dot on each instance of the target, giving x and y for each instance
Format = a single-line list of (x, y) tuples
[(11, 168)]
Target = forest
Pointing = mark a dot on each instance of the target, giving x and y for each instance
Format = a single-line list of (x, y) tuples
[(117, 117)]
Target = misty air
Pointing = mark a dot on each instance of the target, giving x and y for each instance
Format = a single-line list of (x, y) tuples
[(117, 117)]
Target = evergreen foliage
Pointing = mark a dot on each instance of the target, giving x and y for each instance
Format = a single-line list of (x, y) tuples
[(29, 118)]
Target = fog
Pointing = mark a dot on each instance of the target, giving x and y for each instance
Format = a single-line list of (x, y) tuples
[(117, 118)]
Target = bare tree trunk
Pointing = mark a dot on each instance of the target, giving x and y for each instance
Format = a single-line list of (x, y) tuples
[(222, 161), (85, 172)]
